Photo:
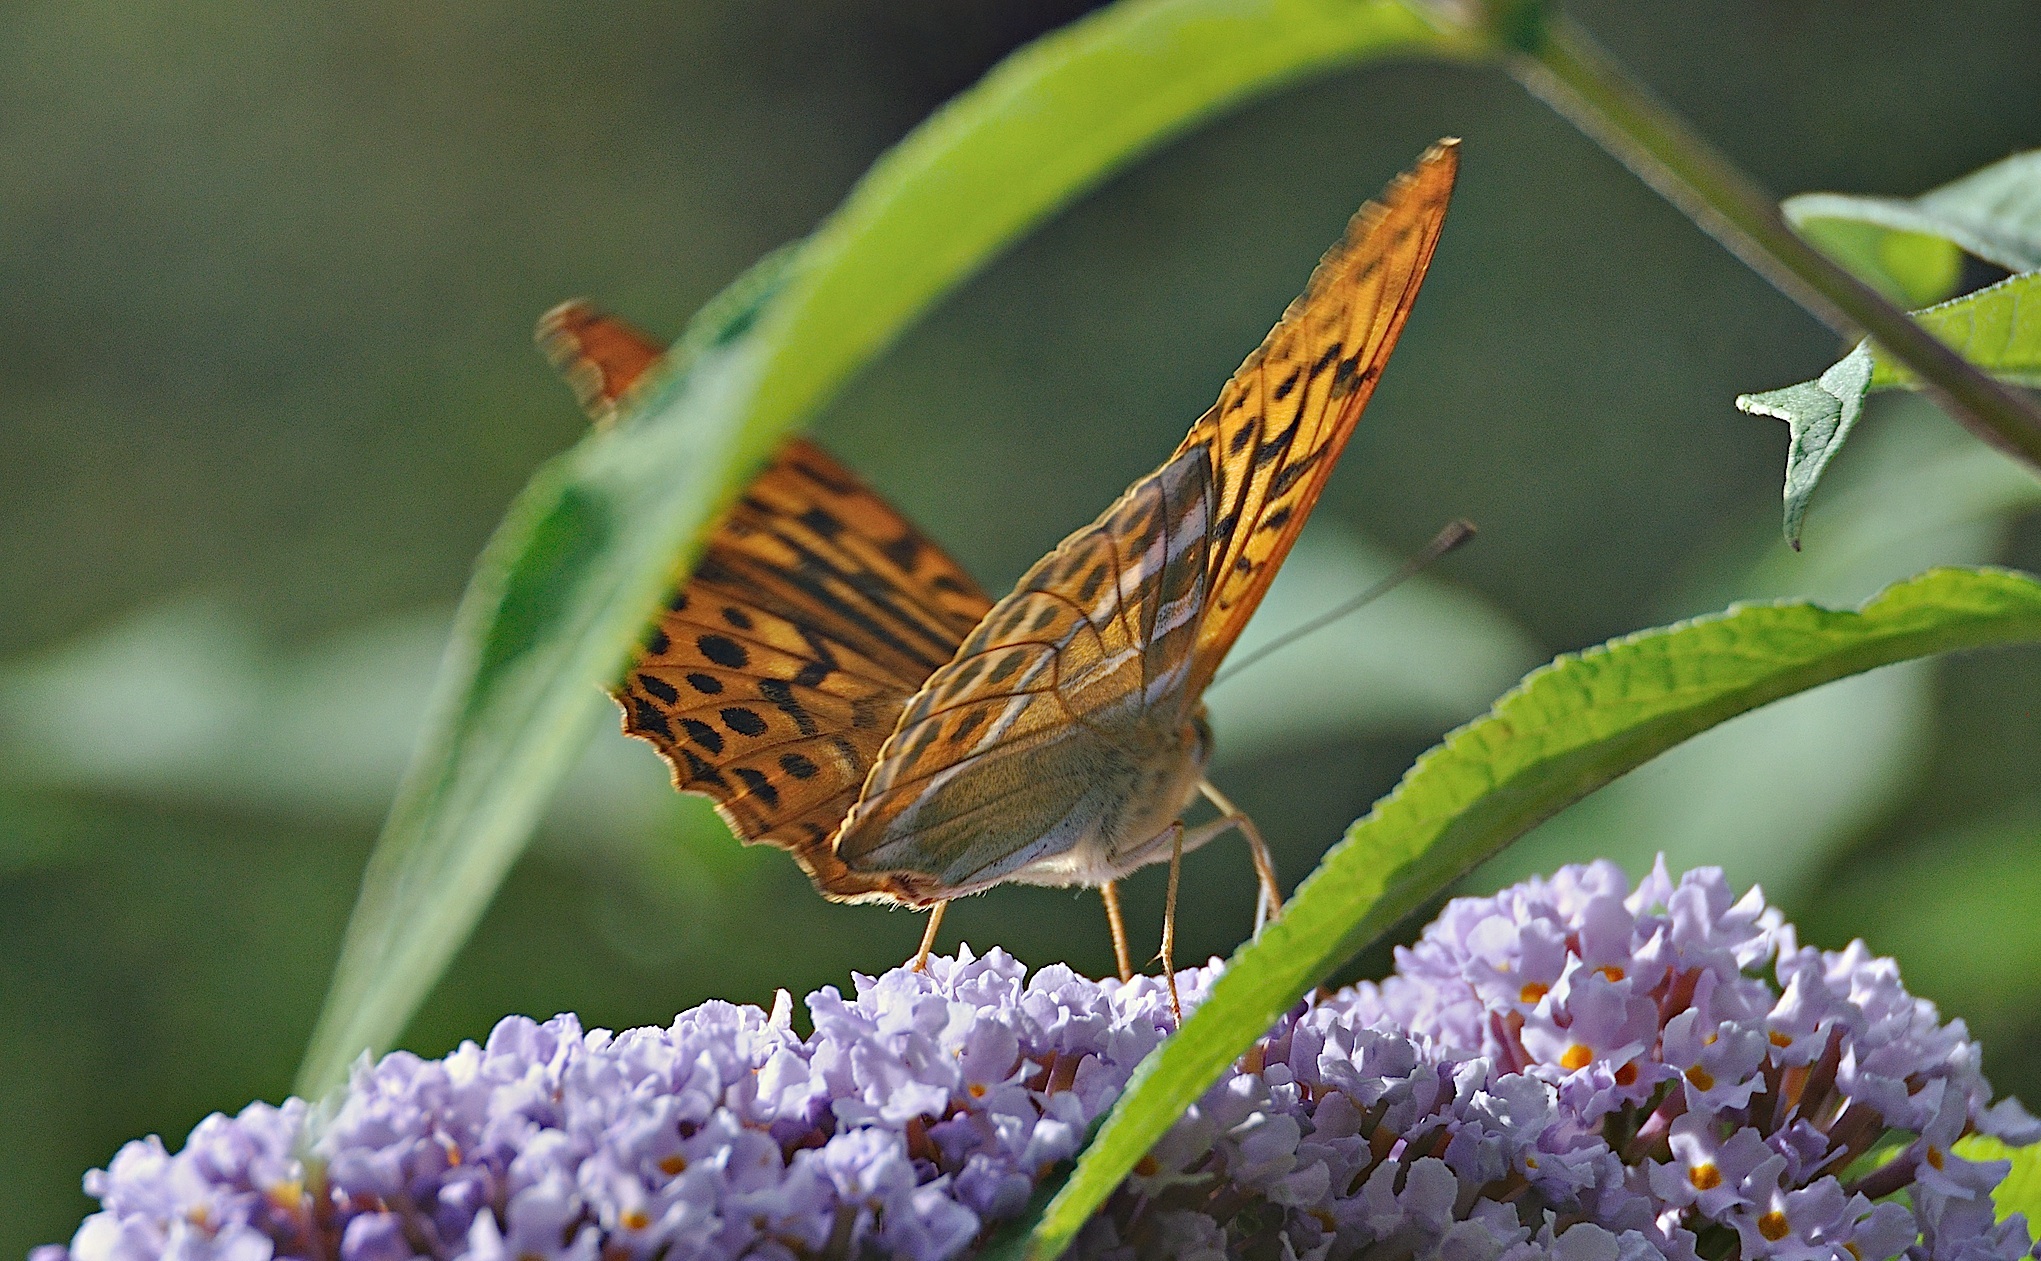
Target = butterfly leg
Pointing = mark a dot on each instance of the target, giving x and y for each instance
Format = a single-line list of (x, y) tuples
[(1109, 893), (1168, 952), (935, 921), (1270, 902)]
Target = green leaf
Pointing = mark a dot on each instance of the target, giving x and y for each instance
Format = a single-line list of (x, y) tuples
[(1569, 728), (1907, 247), (1997, 328), (1819, 414), (1912, 269), (589, 547), (2020, 1190)]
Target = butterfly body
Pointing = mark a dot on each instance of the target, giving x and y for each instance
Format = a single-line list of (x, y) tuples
[(844, 691)]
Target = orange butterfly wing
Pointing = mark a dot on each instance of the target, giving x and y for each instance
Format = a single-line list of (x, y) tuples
[(781, 665), (601, 356), (1283, 419)]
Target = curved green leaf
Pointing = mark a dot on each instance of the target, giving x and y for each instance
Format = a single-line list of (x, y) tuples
[(589, 547), (1997, 328), (1907, 246), (1567, 729)]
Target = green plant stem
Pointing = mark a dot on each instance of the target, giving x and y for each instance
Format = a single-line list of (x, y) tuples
[(1563, 66)]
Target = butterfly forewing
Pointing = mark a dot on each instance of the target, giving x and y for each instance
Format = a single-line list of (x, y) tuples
[(1282, 420), (780, 666)]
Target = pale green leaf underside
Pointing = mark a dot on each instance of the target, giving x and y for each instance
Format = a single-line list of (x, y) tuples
[(1997, 328), (590, 546), (2020, 1191), (1569, 728), (1819, 414), (1907, 246)]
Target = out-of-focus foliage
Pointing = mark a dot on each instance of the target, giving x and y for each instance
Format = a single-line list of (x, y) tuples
[(270, 281)]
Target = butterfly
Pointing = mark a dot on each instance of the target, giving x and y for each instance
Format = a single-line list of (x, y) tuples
[(843, 690)]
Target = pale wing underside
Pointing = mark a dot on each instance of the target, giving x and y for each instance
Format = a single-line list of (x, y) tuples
[(1037, 737)]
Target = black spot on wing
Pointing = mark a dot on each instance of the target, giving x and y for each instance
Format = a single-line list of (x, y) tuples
[(968, 724), (736, 617), (647, 718), (657, 643), (660, 688), (1280, 444), (1289, 385), (1288, 475), (1243, 435), (822, 522), (706, 684), (743, 721), (698, 769), (812, 673), (704, 735), (1092, 582), (903, 551), (797, 766), (759, 785), (724, 651), (1278, 519), (781, 696)]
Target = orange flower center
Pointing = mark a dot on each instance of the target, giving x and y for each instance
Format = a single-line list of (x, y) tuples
[(1532, 992), (1701, 1077), (1611, 971), (1705, 1177), (1576, 1057), (1773, 1226)]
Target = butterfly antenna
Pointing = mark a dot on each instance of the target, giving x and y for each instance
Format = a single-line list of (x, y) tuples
[(1455, 533)]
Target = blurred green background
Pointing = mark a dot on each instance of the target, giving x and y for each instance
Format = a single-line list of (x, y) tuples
[(267, 276)]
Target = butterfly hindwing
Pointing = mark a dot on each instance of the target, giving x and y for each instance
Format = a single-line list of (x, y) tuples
[(1046, 719), (1281, 421)]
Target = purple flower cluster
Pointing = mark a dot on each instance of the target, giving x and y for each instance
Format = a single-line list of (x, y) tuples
[(1568, 1070), (1774, 1120)]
